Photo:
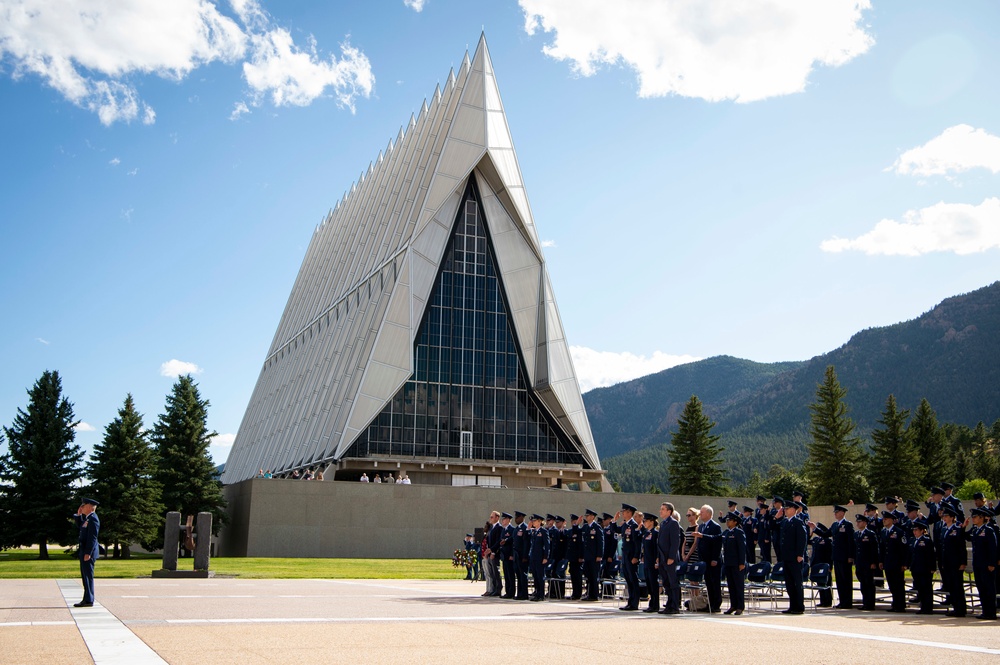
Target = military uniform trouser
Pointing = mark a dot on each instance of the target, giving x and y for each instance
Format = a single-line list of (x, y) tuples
[(866, 579), (87, 575), (793, 586), (737, 587), (897, 587), (671, 585), (713, 583), (987, 588), (954, 585), (843, 575), (576, 578), (923, 584), (631, 575), (592, 569), (521, 576), (508, 577), (538, 579), (765, 551)]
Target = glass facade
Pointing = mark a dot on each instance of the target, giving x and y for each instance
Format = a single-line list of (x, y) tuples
[(468, 397)]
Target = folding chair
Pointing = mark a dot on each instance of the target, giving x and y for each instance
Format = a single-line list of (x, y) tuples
[(757, 583), (818, 579), (776, 584), (556, 587), (694, 584)]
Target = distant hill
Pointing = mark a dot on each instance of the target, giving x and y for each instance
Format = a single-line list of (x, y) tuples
[(950, 355)]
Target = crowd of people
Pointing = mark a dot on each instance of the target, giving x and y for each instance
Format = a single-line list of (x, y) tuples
[(401, 479), (876, 548), (306, 474)]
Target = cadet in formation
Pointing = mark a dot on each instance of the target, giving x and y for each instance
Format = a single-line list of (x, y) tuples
[(734, 554), (651, 560), (538, 556), (593, 554)]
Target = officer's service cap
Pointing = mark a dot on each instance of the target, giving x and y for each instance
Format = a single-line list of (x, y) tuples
[(912, 505), (591, 512), (947, 486), (732, 503), (468, 535), (937, 490), (536, 516), (628, 507), (822, 530), (761, 497), (92, 502), (979, 495), (607, 516), (778, 499), (747, 509), (982, 512), (948, 510), (918, 524), (518, 513), (871, 506), (858, 517), (573, 517), (839, 508), (888, 515), (560, 518), (550, 516), (798, 493), (506, 516), (891, 499), (649, 517), (734, 516)]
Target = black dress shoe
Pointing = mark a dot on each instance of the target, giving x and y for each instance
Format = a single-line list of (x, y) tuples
[(792, 612), (83, 604), (628, 608), (729, 611), (985, 618), (671, 611), (738, 612), (649, 610), (949, 613)]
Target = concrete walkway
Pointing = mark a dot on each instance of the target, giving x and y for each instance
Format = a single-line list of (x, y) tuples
[(222, 621)]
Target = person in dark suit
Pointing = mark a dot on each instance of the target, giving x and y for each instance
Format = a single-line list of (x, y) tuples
[(538, 555), (734, 555), (709, 536), (507, 555), (593, 554), (631, 551), (793, 553), (651, 560), (574, 552), (866, 560), (984, 558), (842, 540), (923, 563), (894, 560), (521, 546), (669, 545), (90, 527), (954, 559), (821, 542), (495, 559)]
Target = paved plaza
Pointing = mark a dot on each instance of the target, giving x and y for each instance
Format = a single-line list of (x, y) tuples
[(222, 621)]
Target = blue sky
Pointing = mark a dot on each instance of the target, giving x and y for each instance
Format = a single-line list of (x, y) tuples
[(761, 179)]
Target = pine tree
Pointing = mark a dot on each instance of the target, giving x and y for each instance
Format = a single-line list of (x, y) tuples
[(936, 457), (39, 470), (895, 464), (695, 463), (121, 473), (836, 463), (184, 469)]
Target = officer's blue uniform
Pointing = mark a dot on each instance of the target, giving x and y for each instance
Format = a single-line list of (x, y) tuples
[(507, 552), (750, 531), (734, 555), (609, 570), (923, 563), (650, 565), (593, 552), (521, 547), (90, 527), (866, 559), (793, 546), (895, 554), (574, 553), (669, 545), (954, 558), (777, 518), (710, 551), (984, 555), (842, 540), (763, 517), (493, 569), (631, 549), (538, 554), (822, 552), (558, 549)]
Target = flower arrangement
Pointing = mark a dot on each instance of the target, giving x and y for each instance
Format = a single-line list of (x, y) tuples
[(464, 558)]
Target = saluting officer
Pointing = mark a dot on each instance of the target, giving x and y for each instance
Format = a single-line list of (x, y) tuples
[(763, 527), (803, 510), (559, 553), (951, 500), (954, 559), (866, 559), (749, 523), (574, 552), (89, 526), (777, 518), (894, 560), (609, 567), (734, 556), (593, 553), (793, 553), (631, 551), (842, 541), (538, 556), (922, 566), (984, 558), (550, 527), (651, 561)]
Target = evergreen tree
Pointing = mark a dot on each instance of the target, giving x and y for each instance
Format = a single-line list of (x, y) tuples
[(695, 463), (39, 470), (895, 464), (121, 474), (184, 470), (936, 457), (836, 463)]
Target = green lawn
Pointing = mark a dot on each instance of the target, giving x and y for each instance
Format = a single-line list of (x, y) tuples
[(24, 563)]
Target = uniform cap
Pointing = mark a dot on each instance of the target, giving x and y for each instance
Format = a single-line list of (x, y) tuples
[(469, 535), (747, 509), (734, 516), (982, 512), (979, 495), (840, 508), (536, 516), (550, 516), (629, 507), (591, 512), (919, 524), (778, 499), (798, 493), (948, 510), (871, 506), (649, 517), (912, 505), (506, 516), (822, 530), (937, 490), (573, 517), (560, 518), (518, 513), (761, 497), (888, 515), (607, 516), (92, 502), (891, 499), (947, 486), (859, 517), (732, 503)]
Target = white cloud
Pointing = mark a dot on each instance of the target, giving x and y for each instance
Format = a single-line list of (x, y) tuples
[(548, 243), (84, 427), (115, 162), (239, 108), (223, 440), (956, 149), (134, 171), (725, 49), (92, 51), (961, 228), (415, 5), (174, 368), (43, 341), (596, 369)]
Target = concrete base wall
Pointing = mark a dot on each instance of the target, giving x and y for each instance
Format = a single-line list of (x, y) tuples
[(294, 518)]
